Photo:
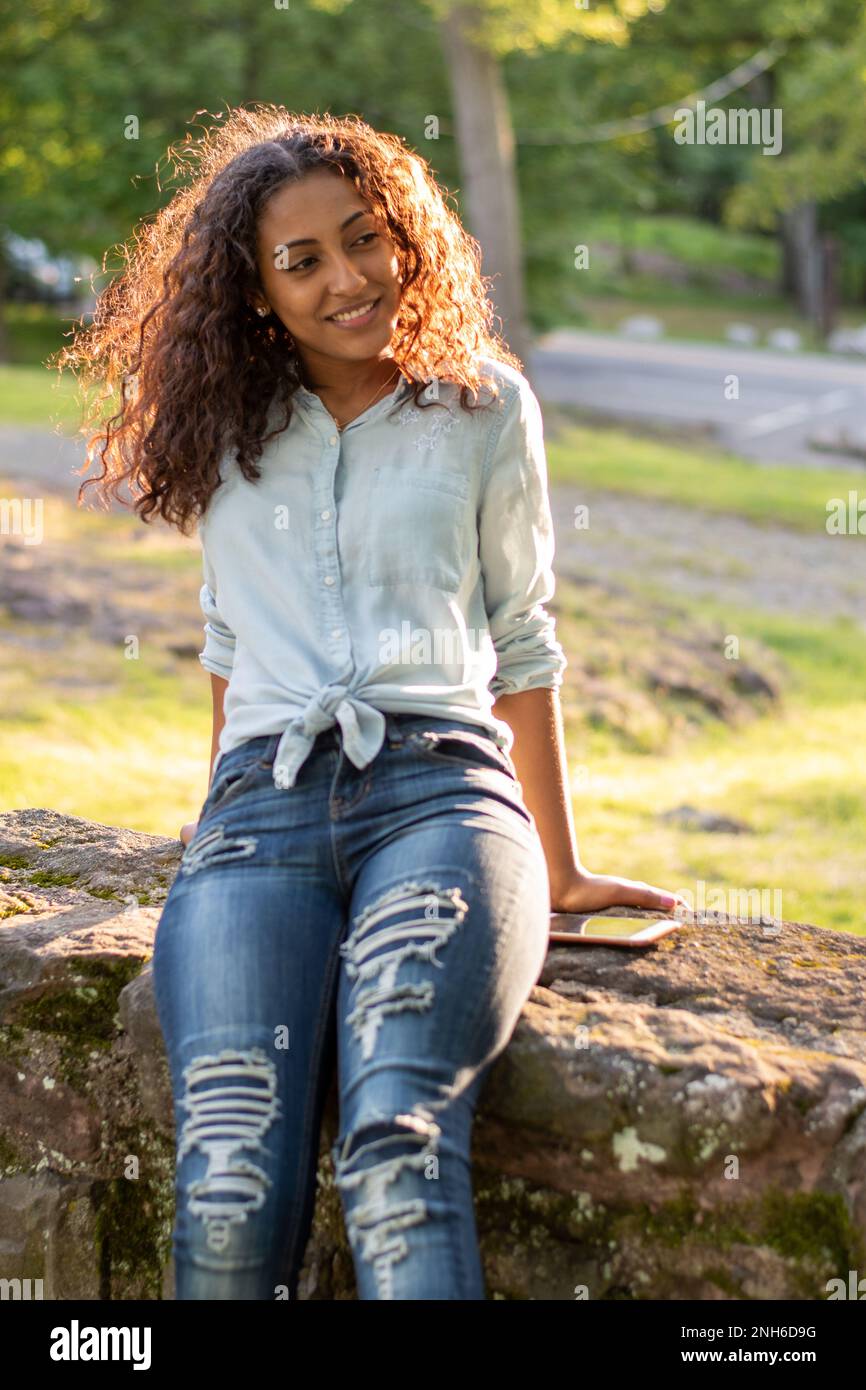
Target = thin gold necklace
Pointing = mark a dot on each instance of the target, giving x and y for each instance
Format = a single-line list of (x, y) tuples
[(367, 406)]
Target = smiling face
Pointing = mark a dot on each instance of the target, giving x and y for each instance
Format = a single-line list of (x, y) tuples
[(322, 251)]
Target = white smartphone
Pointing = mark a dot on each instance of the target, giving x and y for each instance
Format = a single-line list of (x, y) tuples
[(575, 928)]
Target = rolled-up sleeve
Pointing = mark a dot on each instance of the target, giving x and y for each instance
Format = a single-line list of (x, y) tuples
[(516, 550), (218, 653)]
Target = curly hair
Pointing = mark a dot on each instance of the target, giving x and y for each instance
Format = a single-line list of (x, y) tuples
[(178, 351)]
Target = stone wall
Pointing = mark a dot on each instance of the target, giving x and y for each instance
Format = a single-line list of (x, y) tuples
[(683, 1122)]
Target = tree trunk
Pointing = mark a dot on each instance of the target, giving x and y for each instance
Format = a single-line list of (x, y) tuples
[(829, 283), (788, 278), (485, 141), (4, 336), (762, 92), (799, 226)]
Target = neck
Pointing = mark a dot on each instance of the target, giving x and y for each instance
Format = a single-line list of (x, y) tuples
[(346, 381)]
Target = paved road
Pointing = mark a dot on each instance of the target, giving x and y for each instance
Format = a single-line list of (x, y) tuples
[(47, 462), (34, 455), (784, 399)]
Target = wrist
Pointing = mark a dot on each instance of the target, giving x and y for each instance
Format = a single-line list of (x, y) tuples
[(562, 879)]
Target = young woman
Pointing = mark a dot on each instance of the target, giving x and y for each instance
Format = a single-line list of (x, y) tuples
[(308, 372)]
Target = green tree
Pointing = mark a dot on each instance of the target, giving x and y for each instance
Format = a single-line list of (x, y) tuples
[(476, 37)]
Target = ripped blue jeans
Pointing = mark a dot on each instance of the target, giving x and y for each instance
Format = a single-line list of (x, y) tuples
[(388, 921)]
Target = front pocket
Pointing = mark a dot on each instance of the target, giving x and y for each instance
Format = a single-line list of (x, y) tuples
[(234, 780), (461, 746), (418, 526)]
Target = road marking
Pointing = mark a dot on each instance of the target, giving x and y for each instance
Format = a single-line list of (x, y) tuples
[(575, 344), (792, 414)]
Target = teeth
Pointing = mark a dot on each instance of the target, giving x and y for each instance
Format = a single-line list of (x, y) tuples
[(355, 314)]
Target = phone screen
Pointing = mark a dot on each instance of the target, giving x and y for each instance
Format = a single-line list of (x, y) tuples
[(618, 928)]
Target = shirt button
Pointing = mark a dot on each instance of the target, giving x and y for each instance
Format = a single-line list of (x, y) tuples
[(333, 439), (326, 515), (329, 579), (336, 631)]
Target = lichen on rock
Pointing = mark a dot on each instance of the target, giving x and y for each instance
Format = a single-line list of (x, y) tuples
[(683, 1122)]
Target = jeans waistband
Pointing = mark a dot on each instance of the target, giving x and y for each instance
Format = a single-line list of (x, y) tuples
[(395, 723)]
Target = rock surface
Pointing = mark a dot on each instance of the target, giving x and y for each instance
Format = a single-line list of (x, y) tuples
[(685, 1122)]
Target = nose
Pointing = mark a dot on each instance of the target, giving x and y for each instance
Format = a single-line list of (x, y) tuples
[(344, 279)]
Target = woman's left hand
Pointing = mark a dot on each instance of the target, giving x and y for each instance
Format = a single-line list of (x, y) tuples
[(588, 892)]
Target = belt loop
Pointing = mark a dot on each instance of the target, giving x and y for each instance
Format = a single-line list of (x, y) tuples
[(393, 733)]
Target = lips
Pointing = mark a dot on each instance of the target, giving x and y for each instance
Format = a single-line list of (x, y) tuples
[(365, 304)]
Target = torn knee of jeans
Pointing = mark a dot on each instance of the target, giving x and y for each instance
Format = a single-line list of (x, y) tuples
[(231, 1101), (369, 1161), (411, 920), (213, 846)]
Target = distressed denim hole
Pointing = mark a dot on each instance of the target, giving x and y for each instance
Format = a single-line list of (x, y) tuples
[(213, 846), (412, 920), (231, 1102), (368, 1162)]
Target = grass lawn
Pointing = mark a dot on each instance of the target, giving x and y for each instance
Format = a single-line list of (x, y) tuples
[(33, 396), (695, 304), (123, 742), (113, 740), (89, 732), (795, 775), (30, 392), (622, 462)]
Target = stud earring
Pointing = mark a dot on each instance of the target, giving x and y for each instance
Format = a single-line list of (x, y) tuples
[(263, 312)]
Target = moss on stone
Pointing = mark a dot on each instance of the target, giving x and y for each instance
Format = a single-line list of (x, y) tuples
[(10, 1160), (814, 1225), (12, 1043), (722, 1278), (143, 897), (85, 1011), (46, 878), (812, 1232), (82, 1015), (134, 1219), (674, 1222), (528, 1212), (810, 1229), (15, 908)]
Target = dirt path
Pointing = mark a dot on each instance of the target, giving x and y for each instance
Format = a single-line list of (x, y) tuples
[(629, 539), (683, 550)]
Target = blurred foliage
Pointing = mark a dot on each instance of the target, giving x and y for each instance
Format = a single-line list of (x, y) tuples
[(76, 77)]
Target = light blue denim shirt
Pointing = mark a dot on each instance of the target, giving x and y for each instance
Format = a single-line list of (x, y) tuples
[(402, 565)]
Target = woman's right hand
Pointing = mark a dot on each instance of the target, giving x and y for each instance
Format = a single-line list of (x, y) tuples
[(187, 831)]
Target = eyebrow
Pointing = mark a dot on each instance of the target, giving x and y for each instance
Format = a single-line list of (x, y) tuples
[(312, 241)]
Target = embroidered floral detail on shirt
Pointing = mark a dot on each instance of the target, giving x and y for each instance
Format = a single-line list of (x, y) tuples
[(440, 425)]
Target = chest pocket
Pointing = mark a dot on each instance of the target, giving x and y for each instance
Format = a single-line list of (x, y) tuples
[(419, 518)]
